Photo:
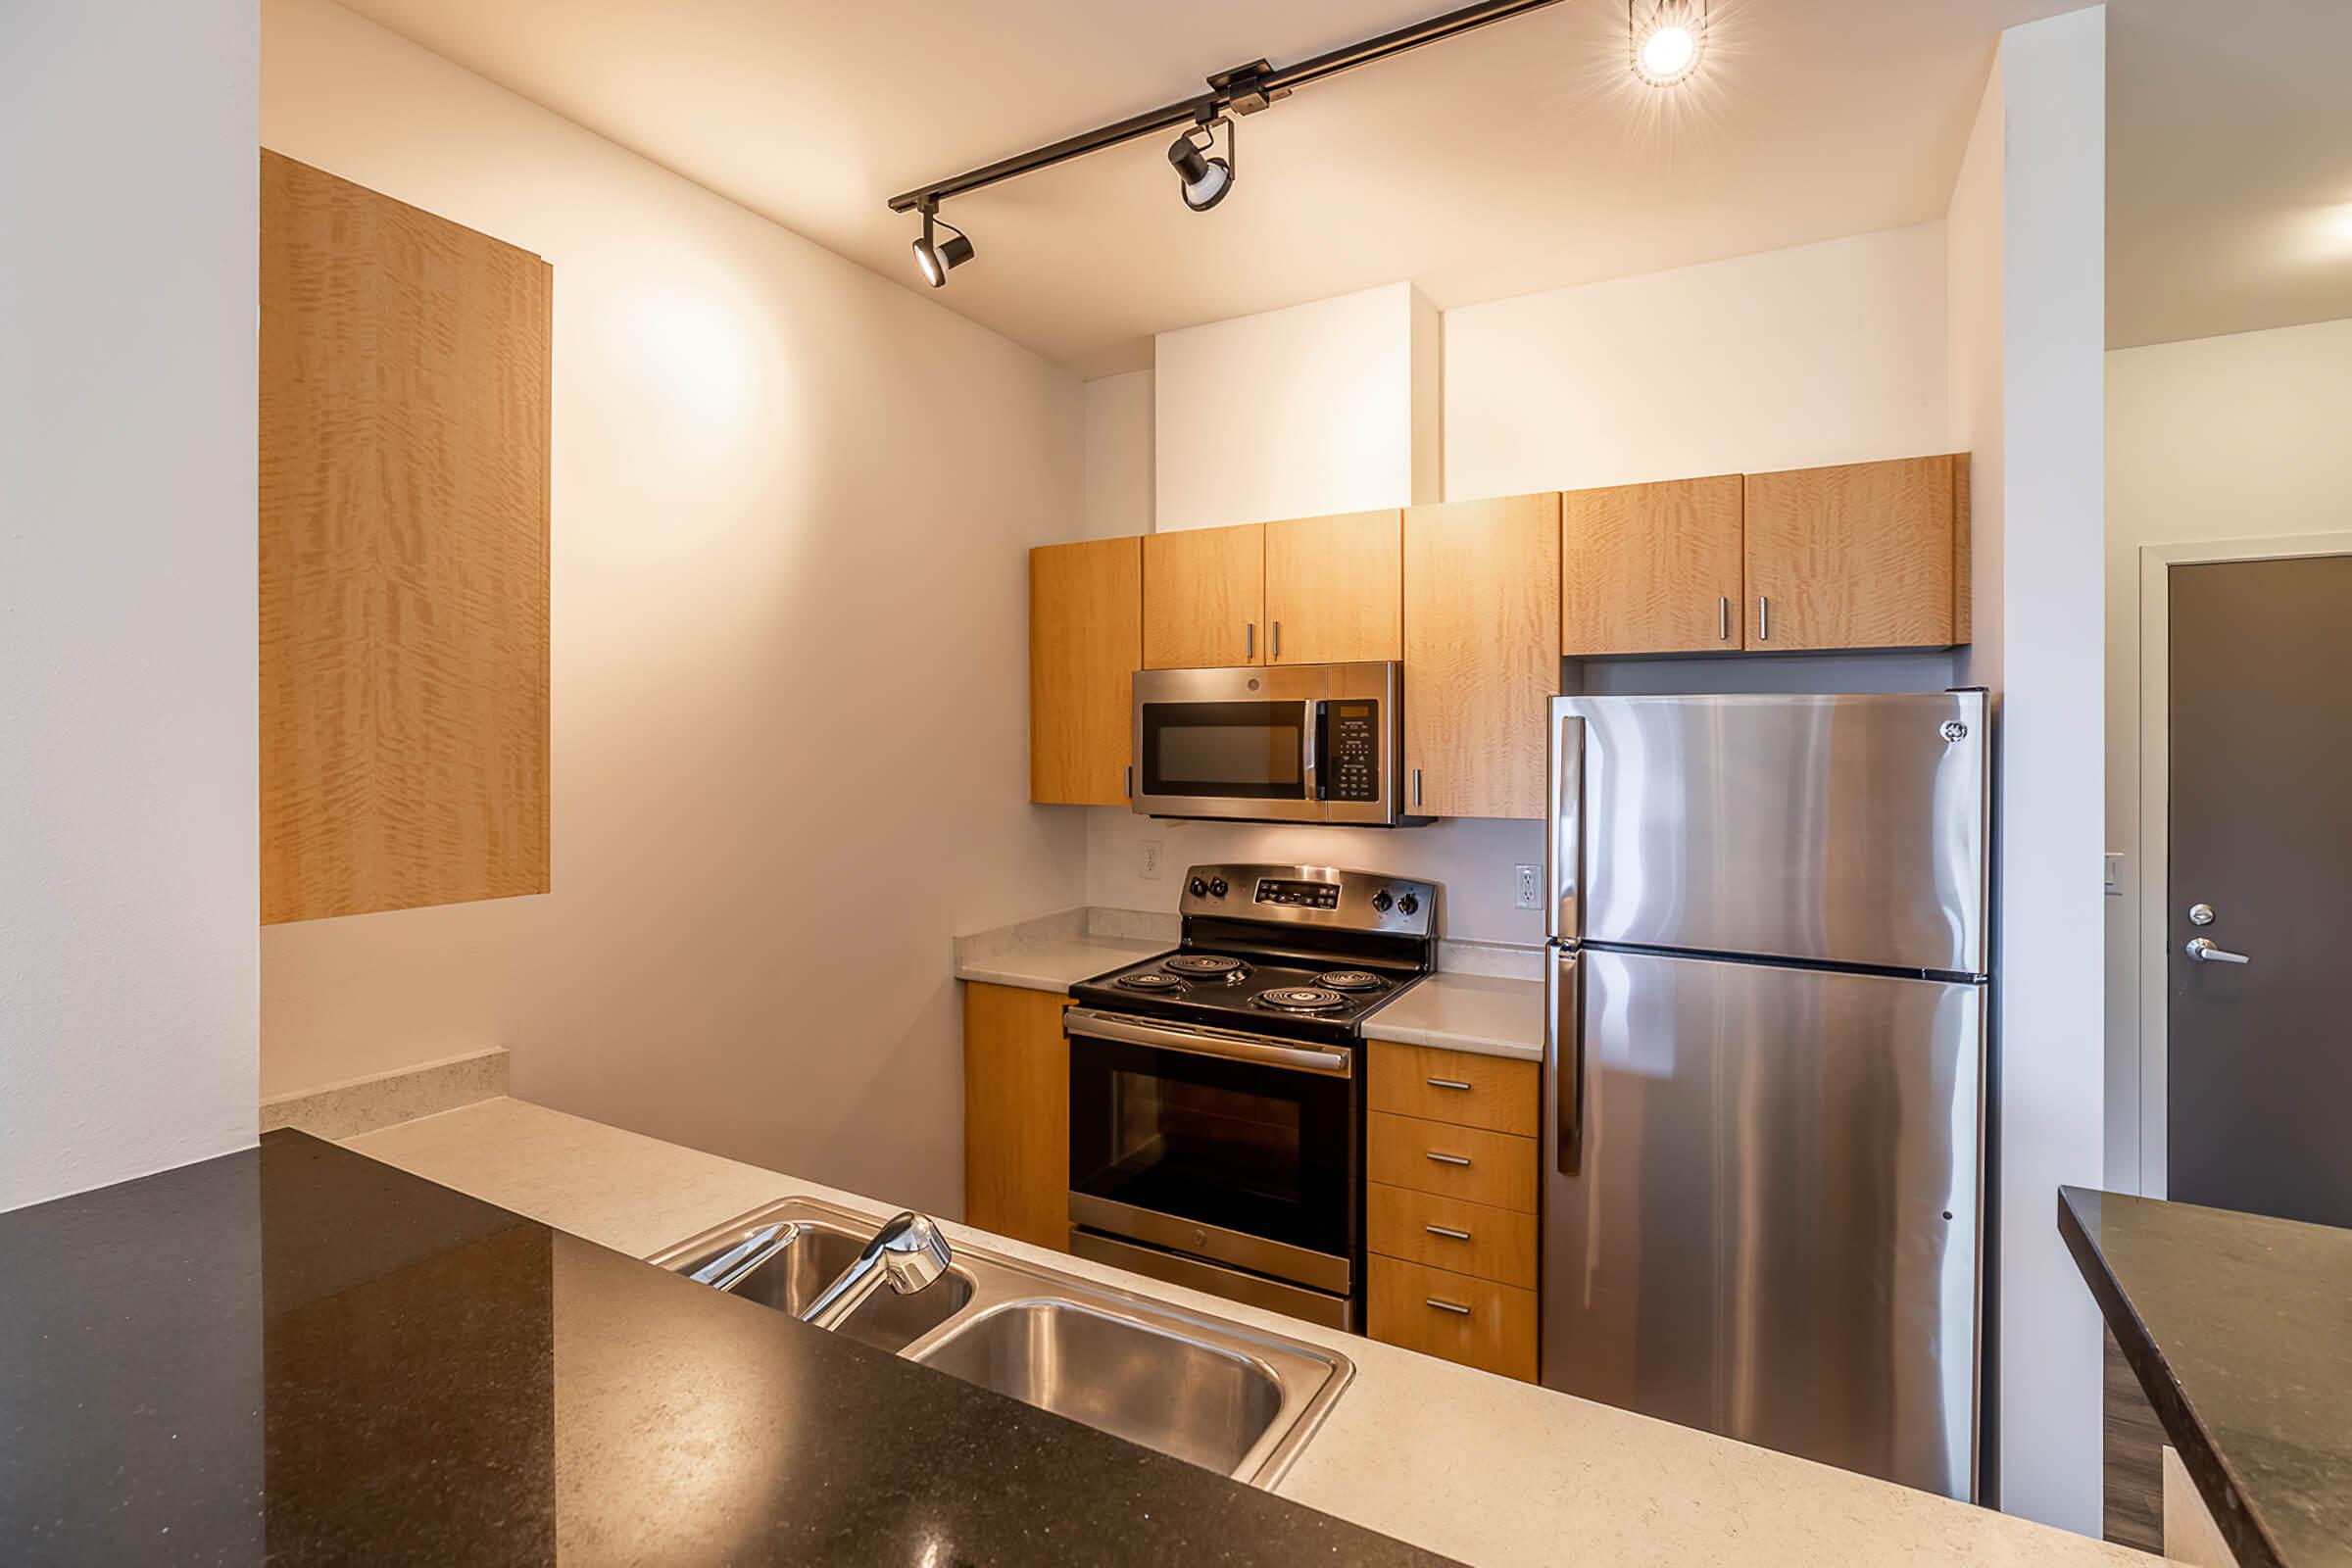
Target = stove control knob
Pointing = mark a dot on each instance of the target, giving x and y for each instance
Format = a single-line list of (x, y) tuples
[(1216, 887), (1199, 888), (1382, 902), (1411, 904)]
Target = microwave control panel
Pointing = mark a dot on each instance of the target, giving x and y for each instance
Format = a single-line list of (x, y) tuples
[(1352, 751)]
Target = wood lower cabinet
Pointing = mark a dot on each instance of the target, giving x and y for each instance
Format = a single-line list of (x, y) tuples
[(1653, 569), (1085, 636), (1205, 598), (1016, 1115), (1461, 1087), (1452, 1234), (1482, 654), (1869, 555), (1476, 1322), (403, 539), (1335, 589)]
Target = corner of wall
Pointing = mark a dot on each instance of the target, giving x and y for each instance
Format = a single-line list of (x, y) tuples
[(1428, 400)]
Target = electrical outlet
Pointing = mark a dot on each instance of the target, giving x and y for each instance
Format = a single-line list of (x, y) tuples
[(1530, 886), (1150, 859)]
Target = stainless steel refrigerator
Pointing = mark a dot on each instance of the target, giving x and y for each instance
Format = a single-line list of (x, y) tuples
[(1764, 1070)]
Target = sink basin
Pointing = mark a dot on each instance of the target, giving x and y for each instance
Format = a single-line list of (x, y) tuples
[(1143, 1382), (794, 1277), (1203, 1388)]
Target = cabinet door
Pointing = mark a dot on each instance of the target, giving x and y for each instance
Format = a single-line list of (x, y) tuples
[(1651, 569), (1205, 598), (1871, 554), (1335, 589), (1016, 1115), (403, 682), (1086, 613), (1482, 654)]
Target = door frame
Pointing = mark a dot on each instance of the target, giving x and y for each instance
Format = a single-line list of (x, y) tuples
[(2155, 805)]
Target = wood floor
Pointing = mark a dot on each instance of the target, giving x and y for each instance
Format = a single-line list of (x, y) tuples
[(2135, 1470)]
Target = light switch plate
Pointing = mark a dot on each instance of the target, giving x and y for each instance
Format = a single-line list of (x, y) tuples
[(1151, 865), (2115, 876), (1530, 886)]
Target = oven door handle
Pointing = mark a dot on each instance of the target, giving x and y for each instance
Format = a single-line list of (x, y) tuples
[(1203, 1042)]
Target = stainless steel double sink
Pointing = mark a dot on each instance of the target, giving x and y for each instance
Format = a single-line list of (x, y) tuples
[(1207, 1390)]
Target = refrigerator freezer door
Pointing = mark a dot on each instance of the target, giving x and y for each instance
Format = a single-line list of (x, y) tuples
[(1761, 1215), (1849, 830)]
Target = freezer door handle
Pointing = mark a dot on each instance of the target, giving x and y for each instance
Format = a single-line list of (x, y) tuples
[(1567, 1054), (1564, 847)]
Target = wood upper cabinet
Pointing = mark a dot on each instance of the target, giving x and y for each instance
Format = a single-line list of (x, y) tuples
[(1016, 1115), (1482, 654), (1870, 555), (1335, 588), (1653, 568), (402, 548), (1086, 635), (1205, 598)]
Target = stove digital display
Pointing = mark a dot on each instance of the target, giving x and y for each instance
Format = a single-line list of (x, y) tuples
[(1298, 895)]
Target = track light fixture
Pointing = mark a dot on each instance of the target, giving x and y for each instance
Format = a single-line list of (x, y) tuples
[(1206, 180), (933, 259), (1666, 39)]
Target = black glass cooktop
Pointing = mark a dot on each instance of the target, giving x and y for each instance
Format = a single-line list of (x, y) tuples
[(296, 1354), (1235, 990)]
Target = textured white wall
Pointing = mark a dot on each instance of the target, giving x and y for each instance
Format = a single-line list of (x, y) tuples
[(2052, 1087), (789, 645), (2212, 439), (129, 894), (1118, 456)]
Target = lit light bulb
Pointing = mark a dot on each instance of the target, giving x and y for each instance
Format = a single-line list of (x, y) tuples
[(1667, 53)]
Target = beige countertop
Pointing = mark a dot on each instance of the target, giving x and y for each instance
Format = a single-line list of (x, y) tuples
[(1478, 1467), (1056, 965), (1476, 1012)]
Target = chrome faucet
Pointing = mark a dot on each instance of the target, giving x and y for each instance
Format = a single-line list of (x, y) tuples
[(910, 1253)]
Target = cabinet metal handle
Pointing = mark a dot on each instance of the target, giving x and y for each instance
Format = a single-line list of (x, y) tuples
[(1443, 1306), (1446, 1083), (1763, 619), (1723, 619), (1447, 1232), (1249, 640), (1416, 785), (1274, 650), (1448, 1159)]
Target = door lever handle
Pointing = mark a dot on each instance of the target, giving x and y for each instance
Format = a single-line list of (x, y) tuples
[(2203, 951)]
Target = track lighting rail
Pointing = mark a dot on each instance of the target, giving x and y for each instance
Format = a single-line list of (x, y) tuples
[(1243, 90)]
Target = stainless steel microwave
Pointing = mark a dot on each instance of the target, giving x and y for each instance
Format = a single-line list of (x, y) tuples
[(1274, 743)]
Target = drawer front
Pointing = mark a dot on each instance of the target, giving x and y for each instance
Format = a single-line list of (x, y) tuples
[(1466, 1163), (1447, 1233), (1455, 1086), (1476, 1322)]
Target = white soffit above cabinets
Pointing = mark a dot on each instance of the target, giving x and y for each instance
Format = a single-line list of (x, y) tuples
[(1521, 157)]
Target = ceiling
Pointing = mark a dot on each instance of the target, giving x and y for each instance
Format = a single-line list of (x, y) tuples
[(1521, 157), (2228, 167)]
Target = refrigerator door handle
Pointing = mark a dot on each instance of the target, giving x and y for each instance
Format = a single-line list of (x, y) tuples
[(1567, 1051), (1564, 848)]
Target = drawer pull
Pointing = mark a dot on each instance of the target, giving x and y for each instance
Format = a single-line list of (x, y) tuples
[(1448, 1306), (1448, 1083), (1448, 1232), (1450, 1160)]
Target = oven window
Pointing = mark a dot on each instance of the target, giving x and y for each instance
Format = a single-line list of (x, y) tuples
[(1245, 751), (1248, 1148)]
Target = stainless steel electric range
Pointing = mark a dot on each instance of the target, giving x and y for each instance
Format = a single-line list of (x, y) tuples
[(1218, 1091)]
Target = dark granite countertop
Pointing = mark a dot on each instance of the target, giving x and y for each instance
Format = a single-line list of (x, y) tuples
[(2239, 1328), (299, 1355)]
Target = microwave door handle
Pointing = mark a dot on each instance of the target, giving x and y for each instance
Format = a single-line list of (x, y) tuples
[(1317, 716)]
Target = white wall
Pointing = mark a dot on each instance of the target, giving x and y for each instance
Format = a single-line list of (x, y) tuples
[(2052, 87), (1316, 408), (2214, 439), (1973, 326), (786, 627), (1118, 456), (128, 890)]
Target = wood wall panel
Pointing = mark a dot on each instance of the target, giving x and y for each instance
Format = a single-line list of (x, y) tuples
[(1085, 636), (404, 411)]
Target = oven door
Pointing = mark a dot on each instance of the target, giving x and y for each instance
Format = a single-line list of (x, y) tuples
[(1217, 1144)]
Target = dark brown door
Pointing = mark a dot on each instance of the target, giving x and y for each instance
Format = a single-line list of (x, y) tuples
[(2260, 1052)]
